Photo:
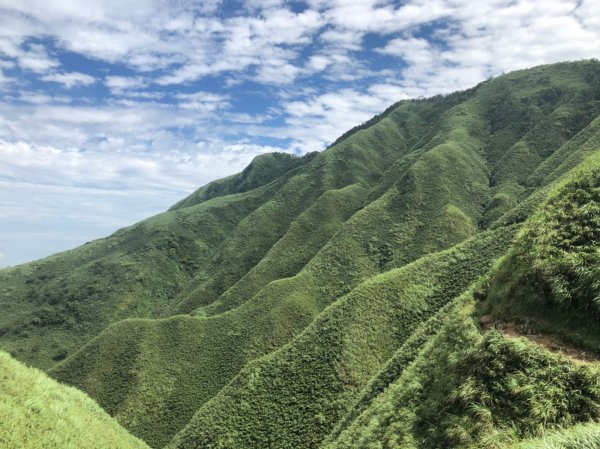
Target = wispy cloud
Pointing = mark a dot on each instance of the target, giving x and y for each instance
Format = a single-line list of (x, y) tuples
[(70, 79), (121, 84), (35, 58), (102, 100), (204, 102)]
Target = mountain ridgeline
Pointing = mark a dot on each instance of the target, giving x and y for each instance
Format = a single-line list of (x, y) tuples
[(430, 280)]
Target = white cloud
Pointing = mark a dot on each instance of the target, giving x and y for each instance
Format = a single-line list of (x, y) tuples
[(70, 79), (412, 50), (204, 102), (316, 121), (318, 63), (263, 42), (36, 59), (187, 44), (41, 98), (120, 84), (363, 16), (275, 74), (151, 139), (487, 38), (346, 39)]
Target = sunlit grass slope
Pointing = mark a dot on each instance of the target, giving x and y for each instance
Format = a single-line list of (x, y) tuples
[(37, 412), (293, 397), (582, 436)]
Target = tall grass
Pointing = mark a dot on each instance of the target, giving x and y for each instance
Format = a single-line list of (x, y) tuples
[(38, 412)]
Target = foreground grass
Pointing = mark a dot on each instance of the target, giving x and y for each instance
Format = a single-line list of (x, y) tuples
[(38, 412), (465, 390), (550, 277), (582, 436)]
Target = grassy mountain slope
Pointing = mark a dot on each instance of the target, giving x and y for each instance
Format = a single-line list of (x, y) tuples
[(468, 390), (319, 292), (262, 170), (292, 398), (359, 160), (432, 197), (52, 305), (550, 277), (36, 412)]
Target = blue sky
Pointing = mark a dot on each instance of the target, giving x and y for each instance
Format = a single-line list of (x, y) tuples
[(111, 111)]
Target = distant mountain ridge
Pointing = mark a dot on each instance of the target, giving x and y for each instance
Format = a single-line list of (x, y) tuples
[(333, 300)]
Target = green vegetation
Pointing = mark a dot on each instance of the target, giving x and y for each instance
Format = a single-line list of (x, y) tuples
[(331, 300), (465, 390), (36, 412), (295, 395), (552, 273), (53, 305), (262, 170), (582, 436)]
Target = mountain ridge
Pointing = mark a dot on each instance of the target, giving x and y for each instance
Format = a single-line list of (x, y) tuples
[(288, 305)]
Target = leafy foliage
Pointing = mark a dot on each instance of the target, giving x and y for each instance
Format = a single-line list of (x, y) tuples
[(465, 390), (552, 272)]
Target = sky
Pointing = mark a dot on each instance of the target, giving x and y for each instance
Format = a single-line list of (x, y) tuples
[(111, 111)]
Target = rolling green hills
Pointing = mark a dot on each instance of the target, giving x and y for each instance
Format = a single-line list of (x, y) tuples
[(334, 300)]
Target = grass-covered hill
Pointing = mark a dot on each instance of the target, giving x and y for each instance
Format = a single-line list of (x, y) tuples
[(551, 276), (333, 300), (37, 412), (466, 389)]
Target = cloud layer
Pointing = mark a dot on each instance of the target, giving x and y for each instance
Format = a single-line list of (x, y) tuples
[(115, 111)]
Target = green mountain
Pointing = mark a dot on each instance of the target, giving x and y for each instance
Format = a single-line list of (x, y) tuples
[(38, 412), (429, 280)]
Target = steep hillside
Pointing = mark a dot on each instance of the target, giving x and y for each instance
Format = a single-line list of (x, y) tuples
[(292, 397), (38, 412), (333, 300), (469, 390), (550, 279), (186, 258), (168, 384)]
